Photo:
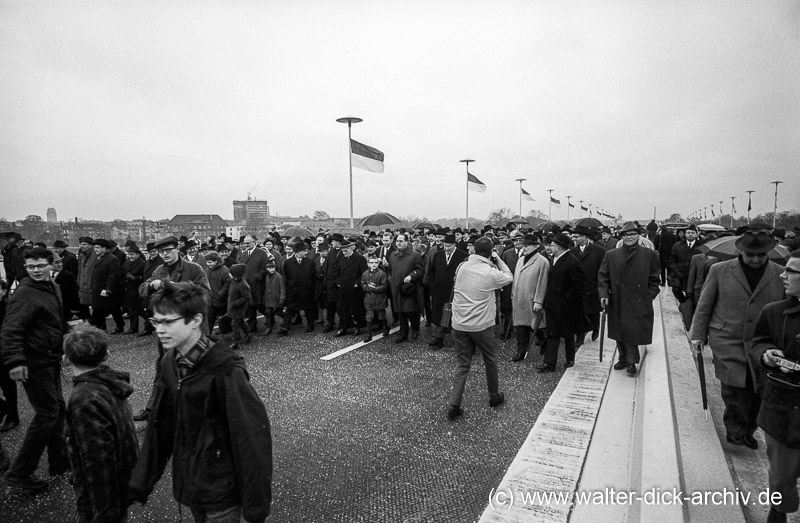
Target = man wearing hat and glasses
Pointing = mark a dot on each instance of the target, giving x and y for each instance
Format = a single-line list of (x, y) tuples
[(628, 282), (733, 295)]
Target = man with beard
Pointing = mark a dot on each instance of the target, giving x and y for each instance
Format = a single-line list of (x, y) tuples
[(591, 257), (300, 276), (733, 296), (563, 304), (628, 282), (349, 268), (405, 273), (441, 274)]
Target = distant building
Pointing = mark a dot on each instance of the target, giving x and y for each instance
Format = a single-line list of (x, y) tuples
[(206, 224), (250, 210), (52, 217)]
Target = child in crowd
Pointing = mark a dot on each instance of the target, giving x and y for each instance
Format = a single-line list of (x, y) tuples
[(274, 295), (238, 299), (219, 280), (101, 436), (375, 285)]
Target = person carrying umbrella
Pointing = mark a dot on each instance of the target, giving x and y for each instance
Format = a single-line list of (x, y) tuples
[(733, 295)]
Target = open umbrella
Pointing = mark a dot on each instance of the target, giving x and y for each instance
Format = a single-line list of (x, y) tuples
[(711, 227), (547, 226), (346, 231), (297, 230), (422, 225), (588, 223), (378, 219), (519, 220), (725, 249)]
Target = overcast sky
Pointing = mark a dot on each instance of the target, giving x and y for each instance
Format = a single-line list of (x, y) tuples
[(130, 109)]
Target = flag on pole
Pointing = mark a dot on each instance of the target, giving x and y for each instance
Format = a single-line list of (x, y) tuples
[(527, 196), (584, 208), (366, 157), (571, 205), (555, 202), (712, 211), (475, 184)]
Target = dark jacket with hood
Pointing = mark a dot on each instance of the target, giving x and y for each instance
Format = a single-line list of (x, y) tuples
[(101, 441), (215, 428), (34, 325)]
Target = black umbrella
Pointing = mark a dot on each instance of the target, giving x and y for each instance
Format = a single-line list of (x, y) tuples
[(378, 219), (588, 223), (297, 230), (724, 248), (701, 371)]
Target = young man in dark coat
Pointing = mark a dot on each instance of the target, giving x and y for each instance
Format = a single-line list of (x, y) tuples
[(777, 335), (105, 287), (441, 274), (207, 418), (591, 256), (347, 272), (563, 304), (331, 285), (300, 277), (30, 341), (101, 436), (628, 282)]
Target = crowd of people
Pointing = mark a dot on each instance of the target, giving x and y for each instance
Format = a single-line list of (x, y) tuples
[(548, 286)]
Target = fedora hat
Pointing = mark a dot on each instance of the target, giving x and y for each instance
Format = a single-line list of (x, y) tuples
[(756, 241)]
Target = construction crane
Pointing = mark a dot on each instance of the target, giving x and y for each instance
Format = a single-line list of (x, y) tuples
[(251, 191)]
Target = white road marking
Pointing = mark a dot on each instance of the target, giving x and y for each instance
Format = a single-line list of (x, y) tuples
[(375, 337)]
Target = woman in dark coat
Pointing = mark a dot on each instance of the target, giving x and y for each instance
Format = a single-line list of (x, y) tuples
[(406, 270)]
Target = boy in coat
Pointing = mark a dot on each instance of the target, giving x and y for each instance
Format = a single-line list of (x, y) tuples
[(274, 295), (238, 300), (101, 436), (375, 286)]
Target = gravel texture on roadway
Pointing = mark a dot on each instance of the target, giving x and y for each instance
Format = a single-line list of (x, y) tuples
[(363, 437)]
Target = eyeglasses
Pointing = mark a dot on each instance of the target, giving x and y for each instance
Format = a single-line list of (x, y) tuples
[(165, 322), (167, 250), (39, 266)]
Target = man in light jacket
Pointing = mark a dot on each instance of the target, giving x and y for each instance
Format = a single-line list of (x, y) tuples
[(473, 321)]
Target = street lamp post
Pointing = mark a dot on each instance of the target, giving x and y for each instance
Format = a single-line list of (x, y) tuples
[(350, 120), (775, 207), (520, 180), (467, 162)]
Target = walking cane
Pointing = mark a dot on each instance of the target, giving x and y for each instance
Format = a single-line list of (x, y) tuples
[(536, 321), (602, 332), (701, 370)]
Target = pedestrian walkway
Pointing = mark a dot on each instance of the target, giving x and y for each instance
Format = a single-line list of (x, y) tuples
[(608, 447)]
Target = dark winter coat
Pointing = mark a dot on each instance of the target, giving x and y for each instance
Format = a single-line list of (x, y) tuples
[(86, 263), (34, 325), (510, 258), (402, 263), (13, 263), (183, 271), (331, 284), (442, 279), (151, 265), (215, 428), (70, 262), (69, 292), (134, 276), (239, 296), (274, 291), (630, 279), (219, 279), (106, 276), (778, 327), (101, 442), (348, 273), (679, 261), (563, 302), (376, 295), (319, 281), (255, 269), (300, 278), (591, 259), (664, 242)]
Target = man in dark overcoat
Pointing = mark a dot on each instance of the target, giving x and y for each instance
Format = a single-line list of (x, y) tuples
[(441, 274), (628, 283), (405, 273), (133, 276), (347, 273), (591, 256), (105, 287), (300, 276), (69, 260), (255, 269), (663, 243), (330, 283), (154, 260), (679, 261), (563, 304), (86, 261)]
